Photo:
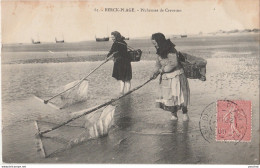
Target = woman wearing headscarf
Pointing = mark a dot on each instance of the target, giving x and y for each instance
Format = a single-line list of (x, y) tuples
[(175, 92), (122, 70)]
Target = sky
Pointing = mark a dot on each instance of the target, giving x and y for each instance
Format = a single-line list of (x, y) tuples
[(78, 21)]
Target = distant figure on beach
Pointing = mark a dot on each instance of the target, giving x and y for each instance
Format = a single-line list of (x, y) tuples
[(174, 92), (122, 70)]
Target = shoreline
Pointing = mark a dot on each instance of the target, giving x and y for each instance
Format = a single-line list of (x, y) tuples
[(204, 47)]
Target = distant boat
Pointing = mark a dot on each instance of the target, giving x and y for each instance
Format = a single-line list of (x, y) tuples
[(35, 42), (59, 41), (184, 36), (102, 39)]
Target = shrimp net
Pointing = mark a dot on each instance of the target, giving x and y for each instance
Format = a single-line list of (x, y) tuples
[(95, 125), (77, 94)]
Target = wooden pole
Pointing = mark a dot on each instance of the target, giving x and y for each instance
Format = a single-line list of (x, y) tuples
[(49, 103), (94, 109), (40, 140), (46, 101)]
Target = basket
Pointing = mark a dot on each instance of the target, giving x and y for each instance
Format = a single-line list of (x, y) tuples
[(194, 67), (193, 71), (135, 55)]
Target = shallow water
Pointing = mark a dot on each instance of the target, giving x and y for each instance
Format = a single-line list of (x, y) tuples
[(141, 132)]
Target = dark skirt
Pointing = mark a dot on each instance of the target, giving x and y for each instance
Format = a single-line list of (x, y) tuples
[(122, 69)]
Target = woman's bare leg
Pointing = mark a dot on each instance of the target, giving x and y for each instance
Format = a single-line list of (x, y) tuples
[(122, 86), (127, 86), (174, 111), (185, 113)]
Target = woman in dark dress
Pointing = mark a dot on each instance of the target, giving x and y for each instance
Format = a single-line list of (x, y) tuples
[(175, 93), (122, 70)]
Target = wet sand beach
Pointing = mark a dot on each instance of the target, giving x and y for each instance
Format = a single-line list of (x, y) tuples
[(141, 132)]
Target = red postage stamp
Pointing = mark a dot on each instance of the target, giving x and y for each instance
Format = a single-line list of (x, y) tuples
[(233, 120)]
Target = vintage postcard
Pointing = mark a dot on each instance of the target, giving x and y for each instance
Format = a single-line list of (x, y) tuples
[(130, 82)]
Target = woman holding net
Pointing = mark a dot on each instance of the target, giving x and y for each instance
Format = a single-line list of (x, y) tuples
[(175, 92), (122, 70)]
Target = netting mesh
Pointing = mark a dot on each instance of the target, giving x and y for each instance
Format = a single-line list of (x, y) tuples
[(96, 124), (77, 94), (99, 123)]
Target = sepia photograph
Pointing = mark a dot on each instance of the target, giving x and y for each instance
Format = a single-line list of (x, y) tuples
[(130, 82)]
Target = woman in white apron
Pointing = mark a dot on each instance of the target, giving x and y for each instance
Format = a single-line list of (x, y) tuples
[(175, 92)]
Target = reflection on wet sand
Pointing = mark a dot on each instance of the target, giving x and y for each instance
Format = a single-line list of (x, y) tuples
[(175, 148), (124, 111), (142, 141)]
